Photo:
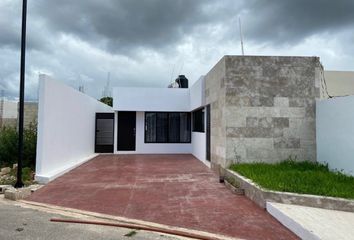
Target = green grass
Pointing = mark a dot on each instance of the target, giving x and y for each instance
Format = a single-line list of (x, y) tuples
[(298, 177)]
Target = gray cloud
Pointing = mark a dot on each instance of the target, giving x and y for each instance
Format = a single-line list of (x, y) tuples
[(287, 21), (142, 42), (129, 24)]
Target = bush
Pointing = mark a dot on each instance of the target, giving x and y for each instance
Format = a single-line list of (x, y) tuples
[(107, 100), (9, 146), (30, 146)]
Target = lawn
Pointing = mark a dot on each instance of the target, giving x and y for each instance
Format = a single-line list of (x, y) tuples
[(298, 177)]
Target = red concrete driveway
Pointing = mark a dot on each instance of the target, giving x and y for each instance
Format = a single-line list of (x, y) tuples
[(176, 190)]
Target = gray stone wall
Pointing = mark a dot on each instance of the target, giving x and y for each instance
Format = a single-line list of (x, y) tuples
[(263, 108), (215, 96)]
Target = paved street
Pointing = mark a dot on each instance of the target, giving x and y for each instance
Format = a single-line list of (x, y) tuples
[(29, 224)]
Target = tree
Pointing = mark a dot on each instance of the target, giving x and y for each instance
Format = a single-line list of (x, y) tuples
[(107, 100)]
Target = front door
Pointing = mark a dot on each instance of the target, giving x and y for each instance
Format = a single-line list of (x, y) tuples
[(126, 131), (104, 133)]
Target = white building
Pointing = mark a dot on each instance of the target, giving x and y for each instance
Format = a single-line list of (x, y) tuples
[(161, 120), (219, 118)]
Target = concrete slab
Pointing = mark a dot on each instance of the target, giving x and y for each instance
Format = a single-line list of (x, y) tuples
[(174, 190), (314, 223), (17, 194)]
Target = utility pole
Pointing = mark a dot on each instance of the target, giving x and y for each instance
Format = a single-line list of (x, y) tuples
[(19, 183)]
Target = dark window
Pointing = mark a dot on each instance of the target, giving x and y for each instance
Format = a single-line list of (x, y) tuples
[(198, 120), (185, 127), (150, 127), (161, 127), (167, 127)]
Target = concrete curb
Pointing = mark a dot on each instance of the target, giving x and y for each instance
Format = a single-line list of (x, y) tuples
[(260, 196), (291, 224), (76, 212)]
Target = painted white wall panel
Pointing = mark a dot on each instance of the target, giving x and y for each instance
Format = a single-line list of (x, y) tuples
[(66, 128), (335, 133), (151, 99), (197, 98), (199, 145)]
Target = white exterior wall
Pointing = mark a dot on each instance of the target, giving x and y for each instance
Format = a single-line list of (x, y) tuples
[(335, 133), (66, 128), (151, 99), (199, 145), (143, 100), (197, 97)]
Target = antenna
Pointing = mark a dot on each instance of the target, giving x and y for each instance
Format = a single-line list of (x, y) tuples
[(107, 89), (239, 24), (173, 71), (81, 85), (180, 70)]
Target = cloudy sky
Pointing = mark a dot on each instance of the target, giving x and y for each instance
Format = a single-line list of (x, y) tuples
[(150, 42)]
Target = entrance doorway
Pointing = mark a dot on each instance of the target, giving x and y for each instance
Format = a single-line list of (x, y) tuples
[(126, 131), (104, 137)]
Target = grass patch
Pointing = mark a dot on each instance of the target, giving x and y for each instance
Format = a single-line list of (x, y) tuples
[(298, 177)]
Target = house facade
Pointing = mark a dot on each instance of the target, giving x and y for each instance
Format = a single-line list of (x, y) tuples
[(245, 109), (162, 120)]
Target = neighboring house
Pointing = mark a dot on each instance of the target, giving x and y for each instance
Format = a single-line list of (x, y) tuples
[(340, 83), (334, 126), (246, 108), (30, 116), (9, 113)]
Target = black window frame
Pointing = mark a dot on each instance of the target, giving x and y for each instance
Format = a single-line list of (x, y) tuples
[(168, 127), (198, 113)]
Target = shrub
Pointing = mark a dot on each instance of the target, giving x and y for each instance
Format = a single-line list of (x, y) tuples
[(30, 146), (107, 100), (9, 146)]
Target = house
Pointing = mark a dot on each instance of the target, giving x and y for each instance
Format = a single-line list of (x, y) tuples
[(9, 113), (340, 83), (246, 108)]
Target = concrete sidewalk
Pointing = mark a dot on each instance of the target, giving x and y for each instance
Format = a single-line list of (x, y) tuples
[(314, 223)]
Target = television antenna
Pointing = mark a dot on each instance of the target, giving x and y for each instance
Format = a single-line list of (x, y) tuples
[(241, 37)]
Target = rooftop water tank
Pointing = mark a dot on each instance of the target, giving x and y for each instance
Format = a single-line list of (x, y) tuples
[(182, 81)]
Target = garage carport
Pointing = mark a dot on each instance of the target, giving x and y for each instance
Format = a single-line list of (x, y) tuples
[(175, 190)]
